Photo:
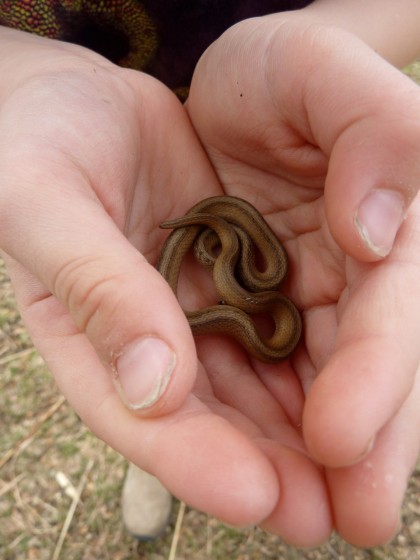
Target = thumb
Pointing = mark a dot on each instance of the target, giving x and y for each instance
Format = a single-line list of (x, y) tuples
[(109, 292), (372, 132)]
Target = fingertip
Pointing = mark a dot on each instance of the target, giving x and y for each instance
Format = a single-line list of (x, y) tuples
[(363, 217), (219, 470), (370, 185), (375, 492), (331, 448), (338, 423), (302, 516), (155, 372)]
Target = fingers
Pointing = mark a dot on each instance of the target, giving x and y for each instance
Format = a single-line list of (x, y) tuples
[(371, 371), (199, 457), (302, 514), (375, 487), (220, 469)]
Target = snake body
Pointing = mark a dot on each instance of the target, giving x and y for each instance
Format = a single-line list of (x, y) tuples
[(239, 232)]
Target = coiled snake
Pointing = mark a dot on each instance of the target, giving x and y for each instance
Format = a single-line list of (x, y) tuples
[(226, 233)]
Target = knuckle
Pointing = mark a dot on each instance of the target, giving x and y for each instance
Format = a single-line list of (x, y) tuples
[(90, 290)]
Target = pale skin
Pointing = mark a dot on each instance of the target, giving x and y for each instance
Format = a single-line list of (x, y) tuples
[(94, 157)]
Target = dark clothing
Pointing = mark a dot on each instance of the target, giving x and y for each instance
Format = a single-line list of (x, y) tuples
[(162, 37)]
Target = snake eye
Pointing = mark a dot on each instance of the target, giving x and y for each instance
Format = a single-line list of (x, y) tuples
[(222, 302)]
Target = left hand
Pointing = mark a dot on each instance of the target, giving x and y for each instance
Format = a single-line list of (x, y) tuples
[(322, 136)]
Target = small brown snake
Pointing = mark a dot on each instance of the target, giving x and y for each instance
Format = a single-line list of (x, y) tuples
[(224, 232)]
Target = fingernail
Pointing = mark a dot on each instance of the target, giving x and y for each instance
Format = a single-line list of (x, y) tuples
[(143, 372), (367, 449), (378, 220)]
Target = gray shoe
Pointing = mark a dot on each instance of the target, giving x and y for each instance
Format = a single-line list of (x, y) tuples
[(146, 504)]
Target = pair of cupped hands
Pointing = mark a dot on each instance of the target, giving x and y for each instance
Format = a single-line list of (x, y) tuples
[(322, 136)]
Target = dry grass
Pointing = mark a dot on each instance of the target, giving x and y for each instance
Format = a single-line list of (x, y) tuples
[(60, 486)]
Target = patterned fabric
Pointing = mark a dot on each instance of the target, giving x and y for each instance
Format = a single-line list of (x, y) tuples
[(162, 37)]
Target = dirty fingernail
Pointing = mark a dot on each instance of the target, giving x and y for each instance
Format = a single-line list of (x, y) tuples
[(378, 220), (143, 372)]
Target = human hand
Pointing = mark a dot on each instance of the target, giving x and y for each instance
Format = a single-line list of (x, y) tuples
[(322, 135), (92, 159)]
